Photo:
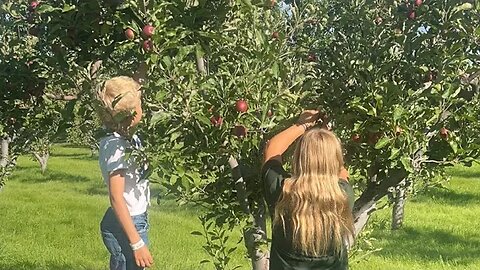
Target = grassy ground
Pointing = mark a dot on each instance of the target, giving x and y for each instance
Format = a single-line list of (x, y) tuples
[(441, 229), (51, 222)]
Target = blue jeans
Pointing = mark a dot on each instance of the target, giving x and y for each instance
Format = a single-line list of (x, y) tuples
[(116, 241)]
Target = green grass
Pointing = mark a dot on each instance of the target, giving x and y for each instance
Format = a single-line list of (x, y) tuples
[(51, 222), (441, 229)]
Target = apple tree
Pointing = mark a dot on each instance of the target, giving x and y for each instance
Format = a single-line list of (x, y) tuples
[(392, 75), (396, 80)]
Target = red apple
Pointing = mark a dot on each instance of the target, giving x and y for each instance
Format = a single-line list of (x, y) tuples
[(147, 45), (311, 57), (418, 3), (148, 30), (240, 131), (444, 132), (431, 76), (129, 34), (275, 35), (216, 120), (356, 137), (33, 6), (269, 113), (241, 106), (411, 15), (378, 20)]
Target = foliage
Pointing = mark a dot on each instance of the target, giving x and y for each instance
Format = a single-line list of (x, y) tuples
[(389, 74)]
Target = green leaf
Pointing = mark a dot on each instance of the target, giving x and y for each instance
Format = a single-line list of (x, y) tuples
[(407, 164), (394, 153), (454, 146), (462, 7), (196, 233), (203, 119), (382, 143), (44, 8), (397, 113)]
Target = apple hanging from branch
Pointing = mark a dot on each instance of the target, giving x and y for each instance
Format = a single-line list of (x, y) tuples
[(148, 30), (241, 106)]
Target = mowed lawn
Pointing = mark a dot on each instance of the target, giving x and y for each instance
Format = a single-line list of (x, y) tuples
[(51, 222)]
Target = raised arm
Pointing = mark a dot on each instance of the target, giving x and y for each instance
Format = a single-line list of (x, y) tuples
[(280, 142)]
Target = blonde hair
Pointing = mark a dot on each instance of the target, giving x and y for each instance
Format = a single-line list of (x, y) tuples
[(118, 98), (312, 206)]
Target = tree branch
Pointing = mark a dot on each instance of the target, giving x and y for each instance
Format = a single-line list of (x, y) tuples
[(61, 97)]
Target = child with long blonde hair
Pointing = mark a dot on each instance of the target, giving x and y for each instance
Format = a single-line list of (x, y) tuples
[(311, 208)]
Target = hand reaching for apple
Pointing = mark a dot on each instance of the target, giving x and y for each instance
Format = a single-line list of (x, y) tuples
[(308, 118)]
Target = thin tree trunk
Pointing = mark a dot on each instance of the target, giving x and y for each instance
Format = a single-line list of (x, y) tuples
[(4, 156), (257, 234), (201, 65), (365, 205), (43, 160), (398, 209)]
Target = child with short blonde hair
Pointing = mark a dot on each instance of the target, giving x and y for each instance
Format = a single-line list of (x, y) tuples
[(125, 224)]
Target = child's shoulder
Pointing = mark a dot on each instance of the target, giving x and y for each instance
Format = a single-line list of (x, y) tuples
[(112, 141)]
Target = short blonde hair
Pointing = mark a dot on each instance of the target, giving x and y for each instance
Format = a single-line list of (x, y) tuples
[(118, 98)]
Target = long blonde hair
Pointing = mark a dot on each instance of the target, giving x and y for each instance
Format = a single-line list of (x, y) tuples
[(312, 205)]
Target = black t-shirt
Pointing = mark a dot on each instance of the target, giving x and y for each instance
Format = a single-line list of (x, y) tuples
[(282, 255)]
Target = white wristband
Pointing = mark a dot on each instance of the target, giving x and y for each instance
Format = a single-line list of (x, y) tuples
[(138, 245)]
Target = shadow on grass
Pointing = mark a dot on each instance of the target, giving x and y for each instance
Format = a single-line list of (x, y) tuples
[(470, 173), (449, 197), (71, 155), (429, 245), (34, 175), (98, 189)]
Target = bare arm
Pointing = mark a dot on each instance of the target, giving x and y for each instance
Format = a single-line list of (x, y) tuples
[(280, 142), (116, 187)]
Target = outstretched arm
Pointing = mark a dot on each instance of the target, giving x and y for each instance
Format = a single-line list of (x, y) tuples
[(280, 142)]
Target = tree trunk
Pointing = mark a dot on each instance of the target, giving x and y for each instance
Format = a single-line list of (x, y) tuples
[(400, 198), (201, 65), (42, 159), (257, 234), (260, 258), (376, 189), (4, 156)]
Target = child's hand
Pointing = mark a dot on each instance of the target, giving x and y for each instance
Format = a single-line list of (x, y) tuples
[(344, 174), (142, 257), (308, 118)]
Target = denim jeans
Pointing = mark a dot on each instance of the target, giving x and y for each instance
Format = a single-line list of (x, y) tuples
[(116, 241)]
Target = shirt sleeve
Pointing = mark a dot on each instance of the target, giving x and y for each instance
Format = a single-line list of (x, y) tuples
[(273, 176), (347, 188), (114, 157)]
